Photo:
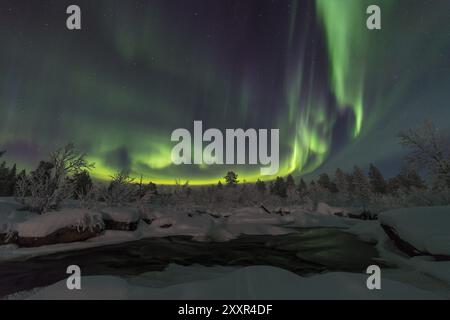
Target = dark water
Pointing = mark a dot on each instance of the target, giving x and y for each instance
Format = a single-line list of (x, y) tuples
[(306, 252)]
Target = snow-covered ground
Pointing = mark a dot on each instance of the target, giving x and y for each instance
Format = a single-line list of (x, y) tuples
[(202, 225), (43, 225), (428, 229), (214, 283)]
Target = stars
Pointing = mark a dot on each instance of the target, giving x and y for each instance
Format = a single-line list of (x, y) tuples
[(146, 67)]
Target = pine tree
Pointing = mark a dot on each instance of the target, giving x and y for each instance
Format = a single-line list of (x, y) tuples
[(394, 185), (415, 180), (231, 179), (219, 186), (324, 181), (22, 185), (3, 178), (260, 186), (280, 188), (313, 189), (11, 181), (82, 183), (361, 187), (302, 187), (290, 182), (377, 182), (409, 179), (342, 185), (152, 188), (351, 188)]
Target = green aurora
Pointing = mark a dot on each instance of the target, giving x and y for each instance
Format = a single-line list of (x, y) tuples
[(141, 69)]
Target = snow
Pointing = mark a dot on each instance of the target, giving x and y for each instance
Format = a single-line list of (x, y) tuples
[(257, 282), (43, 225), (371, 231), (200, 223), (10, 213), (121, 214), (5, 228), (323, 208), (426, 228)]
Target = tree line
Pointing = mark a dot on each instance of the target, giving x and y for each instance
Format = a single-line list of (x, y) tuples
[(65, 175)]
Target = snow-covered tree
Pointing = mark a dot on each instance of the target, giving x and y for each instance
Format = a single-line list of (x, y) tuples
[(8, 179), (302, 187), (430, 150), (121, 189), (342, 186), (52, 182), (377, 182), (324, 181), (231, 179), (260, 186), (290, 182), (279, 188), (361, 188), (82, 183)]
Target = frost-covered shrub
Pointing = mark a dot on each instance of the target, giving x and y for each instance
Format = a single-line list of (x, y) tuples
[(51, 183), (89, 199), (121, 190)]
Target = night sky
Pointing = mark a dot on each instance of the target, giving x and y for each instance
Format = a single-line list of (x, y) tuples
[(138, 70)]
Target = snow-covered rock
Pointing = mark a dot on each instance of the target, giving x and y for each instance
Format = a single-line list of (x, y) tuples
[(59, 227), (426, 229), (121, 218), (258, 282)]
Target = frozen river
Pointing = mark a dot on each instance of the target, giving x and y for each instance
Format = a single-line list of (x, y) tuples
[(307, 251)]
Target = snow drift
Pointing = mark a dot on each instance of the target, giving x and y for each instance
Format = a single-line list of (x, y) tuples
[(425, 228), (259, 282)]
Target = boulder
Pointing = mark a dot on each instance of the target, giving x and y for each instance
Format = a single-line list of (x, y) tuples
[(64, 235), (121, 218), (69, 225)]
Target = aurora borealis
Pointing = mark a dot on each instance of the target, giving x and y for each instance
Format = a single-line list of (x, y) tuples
[(138, 70)]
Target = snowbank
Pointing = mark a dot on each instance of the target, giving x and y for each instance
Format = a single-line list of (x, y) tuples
[(126, 224), (323, 208), (373, 232), (259, 282), (46, 224), (10, 213), (426, 228)]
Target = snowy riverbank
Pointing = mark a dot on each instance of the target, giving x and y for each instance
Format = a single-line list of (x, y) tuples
[(421, 276)]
